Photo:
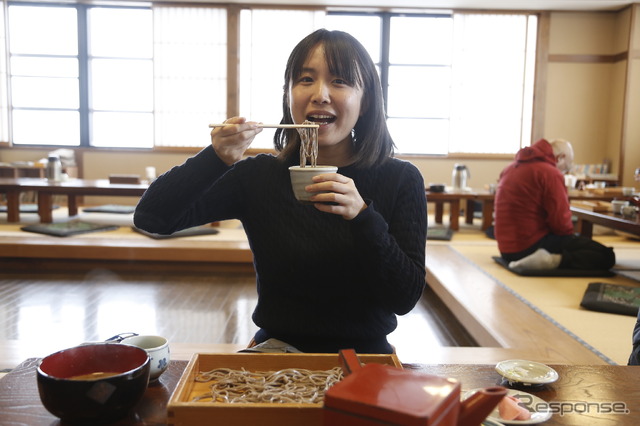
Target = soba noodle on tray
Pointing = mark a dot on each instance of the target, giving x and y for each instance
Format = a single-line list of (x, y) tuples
[(308, 144), (290, 385)]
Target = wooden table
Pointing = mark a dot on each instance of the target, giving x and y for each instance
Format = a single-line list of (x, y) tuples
[(456, 198), (22, 171), (72, 188), (593, 395), (587, 218)]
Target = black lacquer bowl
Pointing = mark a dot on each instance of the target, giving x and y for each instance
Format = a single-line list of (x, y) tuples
[(94, 383)]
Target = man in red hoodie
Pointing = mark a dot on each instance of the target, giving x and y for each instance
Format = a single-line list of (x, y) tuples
[(533, 225)]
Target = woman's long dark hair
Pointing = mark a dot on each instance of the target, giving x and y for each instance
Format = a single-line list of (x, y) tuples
[(347, 58)]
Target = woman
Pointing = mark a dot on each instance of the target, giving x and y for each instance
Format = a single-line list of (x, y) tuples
[(333, 274)]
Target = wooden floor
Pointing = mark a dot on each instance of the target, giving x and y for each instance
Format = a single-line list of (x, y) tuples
[(53, 308)]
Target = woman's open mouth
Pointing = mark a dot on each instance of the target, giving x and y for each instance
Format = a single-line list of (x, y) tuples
[(321, 119)]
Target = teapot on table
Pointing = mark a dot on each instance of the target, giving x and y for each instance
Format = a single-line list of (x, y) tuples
[(459, 176), (375, 393)]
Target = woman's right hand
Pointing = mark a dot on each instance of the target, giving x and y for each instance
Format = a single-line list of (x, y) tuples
[(232, 140)]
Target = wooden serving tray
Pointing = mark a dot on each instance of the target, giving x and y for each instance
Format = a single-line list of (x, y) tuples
[(181, 411)]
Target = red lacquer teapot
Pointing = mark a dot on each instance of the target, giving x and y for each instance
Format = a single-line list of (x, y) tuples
[(376, 394)]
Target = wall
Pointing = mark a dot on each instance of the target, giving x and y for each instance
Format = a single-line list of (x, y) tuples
[(483, 171), (584, 93), (631, 125)]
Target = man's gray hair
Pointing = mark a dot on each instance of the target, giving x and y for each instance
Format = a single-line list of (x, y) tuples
[(561, 146)]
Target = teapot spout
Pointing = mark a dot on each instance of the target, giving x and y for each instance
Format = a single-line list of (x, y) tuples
[(477, 407)]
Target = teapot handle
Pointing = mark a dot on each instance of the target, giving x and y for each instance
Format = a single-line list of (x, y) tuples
[(120, 337)]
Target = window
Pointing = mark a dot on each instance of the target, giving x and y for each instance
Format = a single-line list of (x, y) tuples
[(43, 47), (419, 93), (158, 80), (453, 83)]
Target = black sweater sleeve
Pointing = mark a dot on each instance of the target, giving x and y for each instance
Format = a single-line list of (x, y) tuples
[(393, 251), (164, 207)]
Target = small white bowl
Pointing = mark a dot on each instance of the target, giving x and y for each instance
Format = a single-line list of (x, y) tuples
[(157, 348)]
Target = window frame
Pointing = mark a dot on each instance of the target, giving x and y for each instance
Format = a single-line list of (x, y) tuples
[(233, 12)]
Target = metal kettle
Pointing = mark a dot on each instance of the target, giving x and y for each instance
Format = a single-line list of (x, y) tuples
[(459, 176)]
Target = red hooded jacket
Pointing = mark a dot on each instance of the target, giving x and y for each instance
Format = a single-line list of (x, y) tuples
[(531, 200)]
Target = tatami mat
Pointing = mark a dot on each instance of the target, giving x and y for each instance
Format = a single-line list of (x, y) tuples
[(559, 298)]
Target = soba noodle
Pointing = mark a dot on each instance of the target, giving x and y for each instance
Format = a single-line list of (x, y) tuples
[(308, 145), (291, 385)]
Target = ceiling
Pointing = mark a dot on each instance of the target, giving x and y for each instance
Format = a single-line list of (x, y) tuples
[(457, 4)]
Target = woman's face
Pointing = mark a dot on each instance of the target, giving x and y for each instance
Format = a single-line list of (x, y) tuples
[(326, 99)]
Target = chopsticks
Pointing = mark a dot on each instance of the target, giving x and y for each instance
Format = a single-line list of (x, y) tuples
[(276, 126)]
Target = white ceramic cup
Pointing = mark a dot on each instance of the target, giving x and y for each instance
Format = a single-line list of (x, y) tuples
[(617, 205), (570, 181), (157, 348), (150, 171), (629, 212), (302, 176), (627, 191)]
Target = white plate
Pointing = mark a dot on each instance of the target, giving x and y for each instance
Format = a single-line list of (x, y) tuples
[(488, 422), (526, 372), (539, 409)]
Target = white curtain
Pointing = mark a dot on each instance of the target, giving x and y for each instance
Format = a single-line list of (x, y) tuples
[(267, 38), (492, 80), (190, 73)]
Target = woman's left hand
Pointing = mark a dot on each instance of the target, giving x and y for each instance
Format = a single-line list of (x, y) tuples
[(339, 192)]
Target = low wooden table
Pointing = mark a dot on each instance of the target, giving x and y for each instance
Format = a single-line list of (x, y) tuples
[(584, 394), (456, 199), (72, 188), (587, 218)]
